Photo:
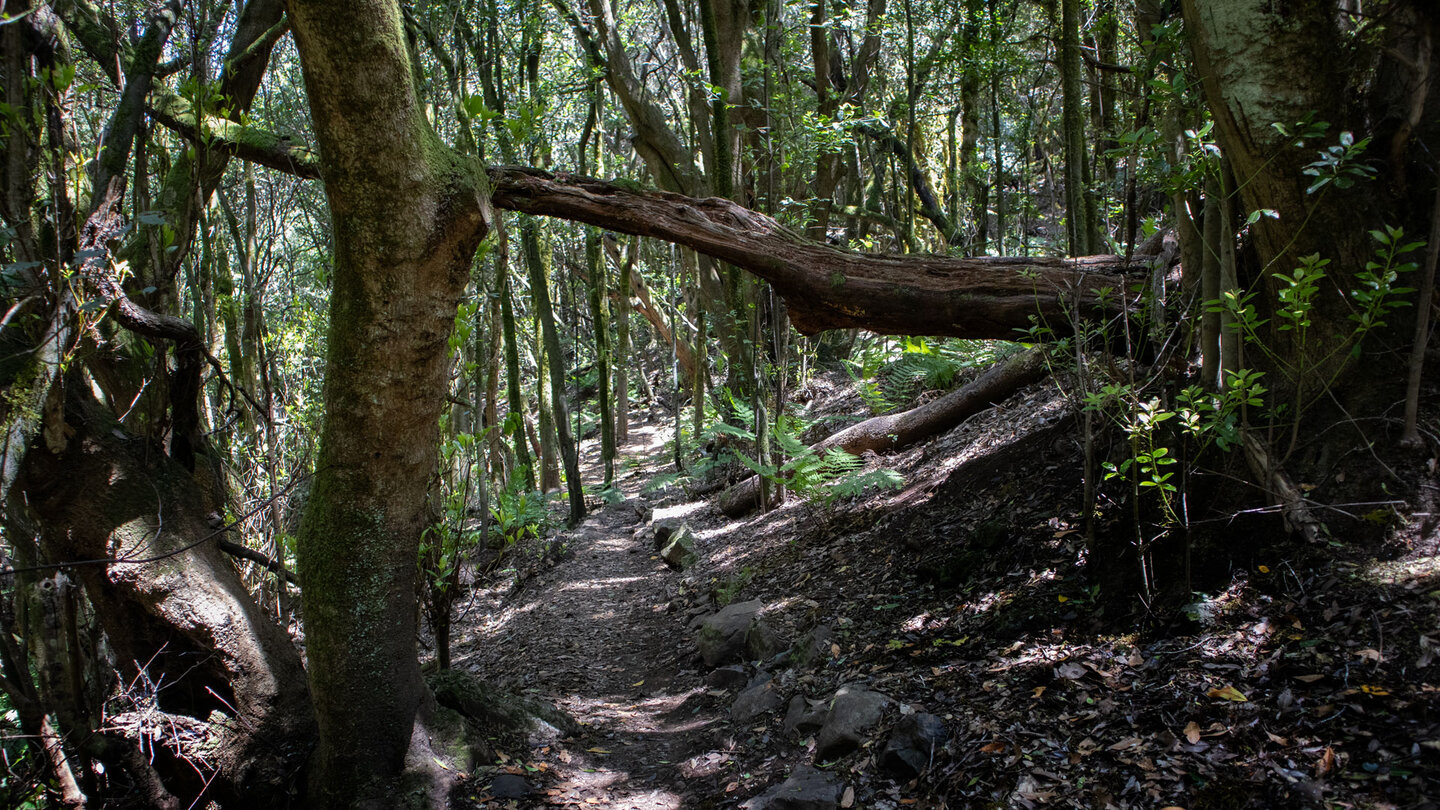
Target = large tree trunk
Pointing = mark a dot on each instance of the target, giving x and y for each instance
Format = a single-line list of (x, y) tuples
[(407, 216), (171, 602), (1268, 69), (1265, 65), (893, 431)]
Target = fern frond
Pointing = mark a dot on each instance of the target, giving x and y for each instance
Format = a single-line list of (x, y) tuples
[(858, 483), (839, 462)]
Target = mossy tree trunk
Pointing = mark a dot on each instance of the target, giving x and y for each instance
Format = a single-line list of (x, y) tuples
[(407, 215), (1310, 65), (622, 350), (1077, 181), (539, 265)]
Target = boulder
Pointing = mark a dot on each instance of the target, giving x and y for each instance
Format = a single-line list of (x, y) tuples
[(678, 551), (761, 641), (913, 745), (727, 677), (806, 789), (760, 696), (853, 712), (722, 635), (813, 649), (803, 716)]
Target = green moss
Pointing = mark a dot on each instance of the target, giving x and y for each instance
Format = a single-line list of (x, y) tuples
[(22, 399)]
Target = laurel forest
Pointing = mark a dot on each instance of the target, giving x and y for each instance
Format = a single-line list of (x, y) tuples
[(319, 314)]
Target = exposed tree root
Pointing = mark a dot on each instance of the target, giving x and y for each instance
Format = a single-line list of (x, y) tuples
[(1299, 517)]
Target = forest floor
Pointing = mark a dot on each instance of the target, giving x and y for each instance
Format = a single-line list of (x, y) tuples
[(1260, 672)]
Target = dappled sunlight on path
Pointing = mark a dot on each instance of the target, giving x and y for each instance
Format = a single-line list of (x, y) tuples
[(594, 636)]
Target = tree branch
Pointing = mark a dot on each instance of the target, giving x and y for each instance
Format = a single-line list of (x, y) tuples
[(828, 288), (823, 287), (924, 193), (247, 553)]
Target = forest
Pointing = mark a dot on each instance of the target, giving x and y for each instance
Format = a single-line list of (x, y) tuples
[(719, 403)]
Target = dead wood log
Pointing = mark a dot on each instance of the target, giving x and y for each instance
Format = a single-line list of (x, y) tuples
[(893, 431)]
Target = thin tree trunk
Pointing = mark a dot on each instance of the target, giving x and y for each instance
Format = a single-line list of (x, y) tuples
[(599, 314), (997, 136), (550, 335), (827, 103), (545, 440), (1230, 337), (622, 351), (1210, 288), (1076, 211), (598, 284), (514, 422), (1410, 435)]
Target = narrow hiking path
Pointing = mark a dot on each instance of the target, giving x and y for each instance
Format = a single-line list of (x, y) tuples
[(984, 656), (598, 635)]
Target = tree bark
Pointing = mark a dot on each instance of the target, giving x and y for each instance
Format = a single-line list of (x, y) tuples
[(827, 288), (824, 287), (408, 214), (131, 523), (893, 431), (539, 266), (1076, 158), (622, 348)]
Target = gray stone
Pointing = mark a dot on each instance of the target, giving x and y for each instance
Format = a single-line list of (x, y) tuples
[(813, 649), (913, 745), (665, 528), (644, 535), (679, 549), (806, 789), (543, 732), (728, 677), (722, 635), (761, 641), (510, 786), (761, 696), (853, 712), (803, 716)]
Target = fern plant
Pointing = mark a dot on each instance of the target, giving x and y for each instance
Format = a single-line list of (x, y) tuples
[(923, 365), (518, 513), (818, 476)]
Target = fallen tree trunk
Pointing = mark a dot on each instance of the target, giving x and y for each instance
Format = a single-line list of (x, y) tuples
[(823, 287), (828, 288), (893, 431)]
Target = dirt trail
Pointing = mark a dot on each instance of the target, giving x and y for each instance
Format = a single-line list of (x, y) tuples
[(592, 636)]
